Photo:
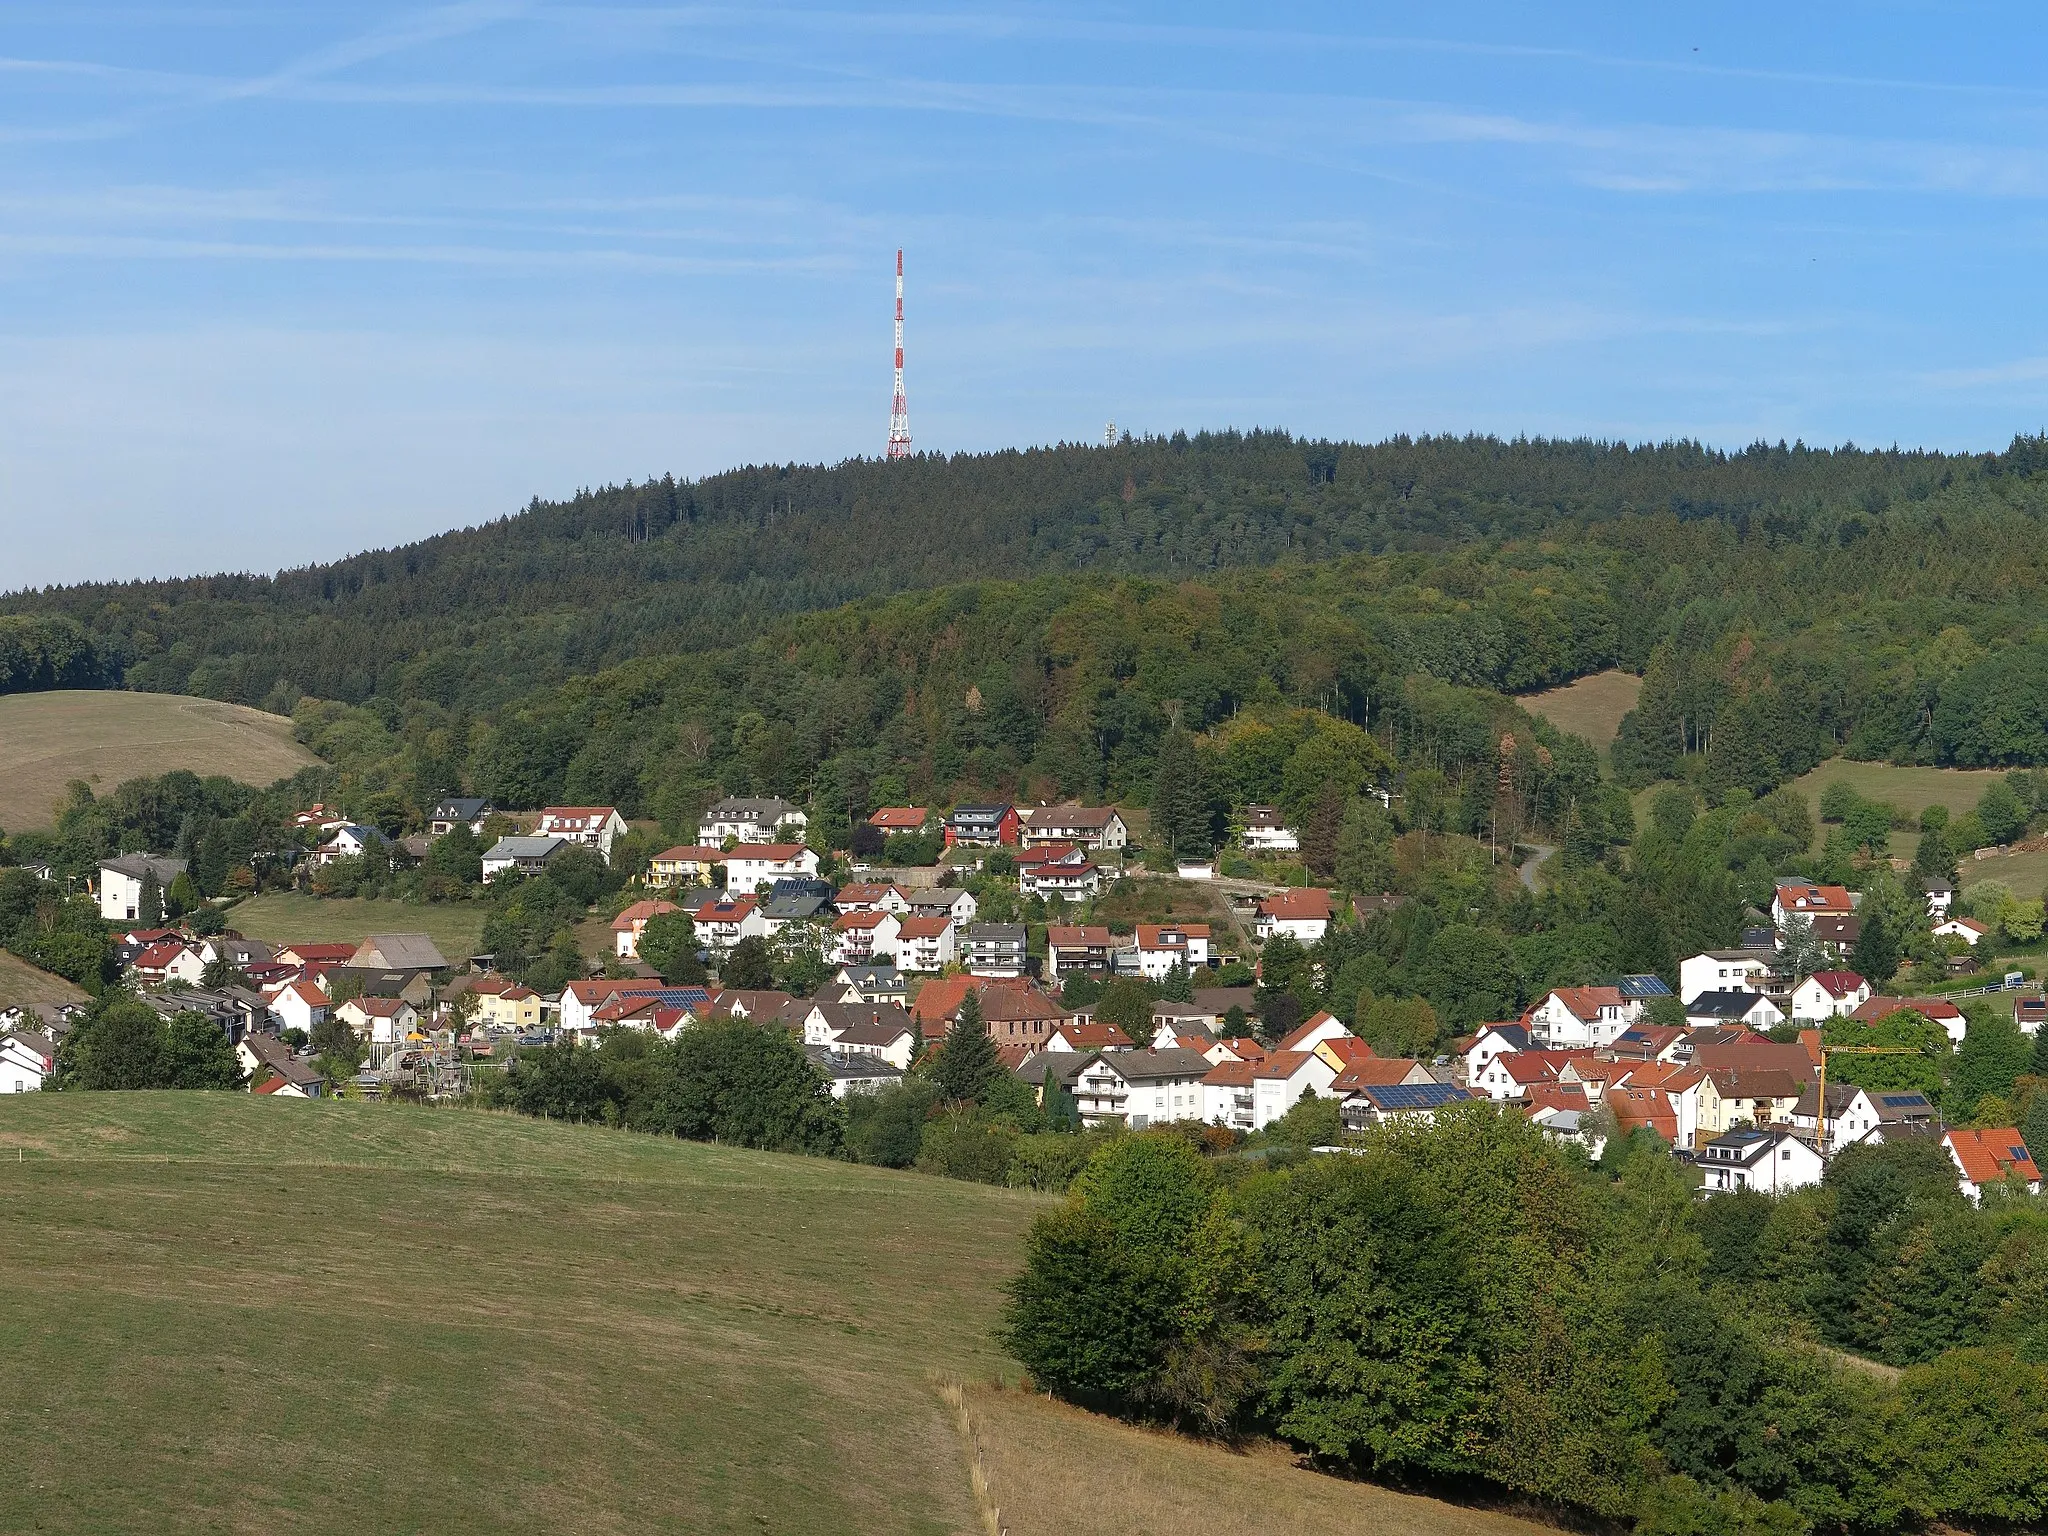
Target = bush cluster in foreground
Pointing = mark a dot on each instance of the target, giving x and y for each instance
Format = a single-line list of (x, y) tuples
[(1461, 1304)]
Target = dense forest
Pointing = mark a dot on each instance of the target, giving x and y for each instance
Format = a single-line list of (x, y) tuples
[(1037, 622)]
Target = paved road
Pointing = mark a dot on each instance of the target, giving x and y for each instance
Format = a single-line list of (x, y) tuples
[(1538, 852)]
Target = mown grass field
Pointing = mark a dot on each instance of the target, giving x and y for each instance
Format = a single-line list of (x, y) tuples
[(21, 983), (1591, 707), (283, 917), (49, 739), (241, 1314)]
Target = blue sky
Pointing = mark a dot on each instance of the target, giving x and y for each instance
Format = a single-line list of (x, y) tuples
[(282, 281)]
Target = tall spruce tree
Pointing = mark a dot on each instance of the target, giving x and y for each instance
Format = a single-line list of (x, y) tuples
[(967, 1062), (1180, 800)]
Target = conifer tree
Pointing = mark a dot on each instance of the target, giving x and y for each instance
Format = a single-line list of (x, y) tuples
[(967, 1062)]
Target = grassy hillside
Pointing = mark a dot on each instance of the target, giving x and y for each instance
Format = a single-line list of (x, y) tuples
[(256, 1315), (284, 917), (1592, 707), (48, 739), (21, 982)]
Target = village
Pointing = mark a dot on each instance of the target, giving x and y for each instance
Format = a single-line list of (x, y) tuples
[(1729, 1072)]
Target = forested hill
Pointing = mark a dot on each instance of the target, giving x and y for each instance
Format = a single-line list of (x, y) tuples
[(478, 617)]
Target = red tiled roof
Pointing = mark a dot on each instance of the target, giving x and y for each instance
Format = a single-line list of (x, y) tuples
[(1295, 905), (1149, 934), (1094, 936), (1815, 898), (1838, 983), (1375, 1072), (849, 922), (912, 817), (1282, 1064), (640, 912), (724, 911), (1347, 1049), (1095, 1035), (691, 853), (1987, 1156), (1586, 1002), (924, 927), (1244, 1047), (1232, 1074)]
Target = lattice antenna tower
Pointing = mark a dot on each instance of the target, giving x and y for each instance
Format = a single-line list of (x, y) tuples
[(899, 413)]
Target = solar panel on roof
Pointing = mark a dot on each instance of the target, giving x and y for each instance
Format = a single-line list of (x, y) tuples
[(1416, 1095), (1901, 1100)]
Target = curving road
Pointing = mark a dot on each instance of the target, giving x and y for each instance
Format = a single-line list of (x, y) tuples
[(1538, 853)]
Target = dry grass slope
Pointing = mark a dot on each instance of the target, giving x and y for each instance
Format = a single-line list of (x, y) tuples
[(21, 983), (284, 917), (1592, 707), (250, 1315), (49, 739)]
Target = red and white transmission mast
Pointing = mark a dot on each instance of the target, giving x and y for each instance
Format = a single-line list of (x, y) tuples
[(899, 414)]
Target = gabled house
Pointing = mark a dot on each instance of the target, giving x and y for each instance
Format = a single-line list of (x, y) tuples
[(850, 1072), (983, 826), (750, 820), (1941, 896), (1092, 1035), (274, 1071), (1860, 1114), (870, 897), (1162, 946), (687, 864), (26, 1059), (1281, 1077), (632, 922), (901, 820), (994, 949), (458, 811), (1266, 831), (1066, 879), (1312, 1031), (1771, 1162), (1809, 901), (1730, 1097), (1726, 970), (121, 881), (1968, 929), (380, 1020), (723, 922), (350, 840), (925, 943), (1988, 1158), (1084, 948), (1581, 1017), (870, 984), (520, 855), (1094, 827), (1491, 1041), (1747, 1010), (173, 960), (587, 826), (860, 937), (298, 1005), (1377, 1103), (880, 1030), (1141, 1088), (1827, 995), (1936, 1010), (502, 1003), (956, 902), (398, 952), (1303, 913), (1230, 1092), (749, 866)]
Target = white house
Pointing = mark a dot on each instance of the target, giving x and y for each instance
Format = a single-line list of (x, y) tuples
[(1993, 1157), (1141, 1088), (526, 855), (1968, 929), (632, 922), (588, 826), (1303, 912), (1162, 946), (1940, 897), (350, 840), (859, 937), (1085, 826), (925, 943), (749, 866), (1266, 831), (297, 1005), (1810, 901), (1279, 1081), (1726, 970), (380, 1020), (1075, 882), (956, 902), (882, 1030), (1312, 1032), (1230, 1092), (1748, 1010), (749, 820), (1828, 995), (121, 882), (1491, 1041), (722, 924), (1579, 1018), (1770, 1162), (25, 1060)]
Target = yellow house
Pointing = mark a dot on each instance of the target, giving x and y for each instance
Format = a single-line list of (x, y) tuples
[(503, 1004), (683, 866), (1732, 1096)]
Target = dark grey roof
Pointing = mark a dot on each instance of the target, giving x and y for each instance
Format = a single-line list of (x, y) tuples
[(1724, 1005), (139, 865), (1061, 1066), (1411, 1095), (795, 908), (42, 1045), (459, 808), (1151, 1066), (995, 933), (864, 1023), (1515, 1034), (741, 808), (524, 847), (978, 815), (1220, 1000), (1644, 986), (851, 1064), (400, 952)]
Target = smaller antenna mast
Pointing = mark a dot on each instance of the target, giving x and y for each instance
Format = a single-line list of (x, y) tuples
[(899, 414)]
